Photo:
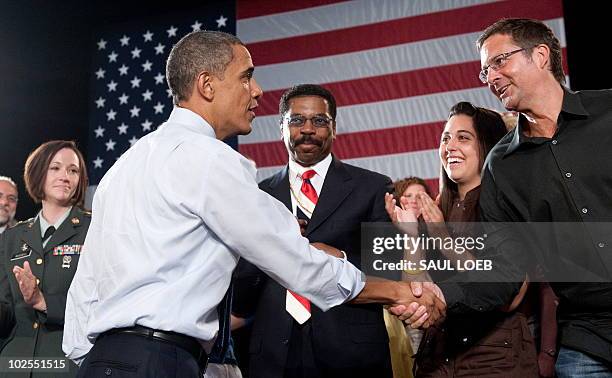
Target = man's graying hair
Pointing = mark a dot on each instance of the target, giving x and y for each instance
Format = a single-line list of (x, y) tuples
[(196, 52)]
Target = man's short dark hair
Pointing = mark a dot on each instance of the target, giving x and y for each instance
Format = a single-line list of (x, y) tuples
[(307, 90), (196, 52), (528, 33)]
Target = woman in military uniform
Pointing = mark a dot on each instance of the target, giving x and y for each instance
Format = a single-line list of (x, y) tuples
[(38, 259)]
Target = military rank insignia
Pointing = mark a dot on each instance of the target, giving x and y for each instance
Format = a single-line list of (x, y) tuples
[(25, 252), (67, 249)]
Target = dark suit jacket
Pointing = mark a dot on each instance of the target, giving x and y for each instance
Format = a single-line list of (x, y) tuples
[(348, 340), (31, 333)]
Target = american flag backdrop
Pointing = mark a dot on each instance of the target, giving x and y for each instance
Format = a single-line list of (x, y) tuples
[(129, 92), (395, 67)]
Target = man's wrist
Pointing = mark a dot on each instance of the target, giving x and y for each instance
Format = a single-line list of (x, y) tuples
[(399, 291)]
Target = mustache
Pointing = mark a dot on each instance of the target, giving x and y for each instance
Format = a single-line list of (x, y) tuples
[(307, 139)]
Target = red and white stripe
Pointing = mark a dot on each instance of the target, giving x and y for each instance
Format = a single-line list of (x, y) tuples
[(395, 67)]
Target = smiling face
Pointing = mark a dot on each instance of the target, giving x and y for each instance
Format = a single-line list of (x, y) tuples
[(516, 78), (408, 200), (8, 202), (460, 151), (62, 178), (236, 95), (308, 144)]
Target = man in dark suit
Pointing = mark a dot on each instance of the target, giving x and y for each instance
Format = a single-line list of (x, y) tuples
[(332, 199)]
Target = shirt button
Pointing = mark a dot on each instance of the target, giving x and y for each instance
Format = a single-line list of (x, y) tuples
[(568, 174), (585, 210), (35, 325), (554, 141), (108, 371), (39, 261), (601, 245)]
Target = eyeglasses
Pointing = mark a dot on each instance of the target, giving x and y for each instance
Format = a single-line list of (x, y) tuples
[(317, 121), (496, 63)]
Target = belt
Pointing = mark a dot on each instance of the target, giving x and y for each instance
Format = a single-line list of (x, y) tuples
[(185, 342)]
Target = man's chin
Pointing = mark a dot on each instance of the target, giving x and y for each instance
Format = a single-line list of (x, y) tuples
[(306, 160), (241, 131)]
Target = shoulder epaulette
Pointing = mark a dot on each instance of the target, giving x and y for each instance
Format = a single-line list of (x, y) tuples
[(27, 221)]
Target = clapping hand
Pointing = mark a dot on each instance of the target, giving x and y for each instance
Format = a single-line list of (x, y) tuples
[(404, 219), (429, 210), (30, 291)]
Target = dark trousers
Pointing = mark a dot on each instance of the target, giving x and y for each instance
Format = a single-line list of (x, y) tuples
[(303, 363), (125, 355), (300, 357)]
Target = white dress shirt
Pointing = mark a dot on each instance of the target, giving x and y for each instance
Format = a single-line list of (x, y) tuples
[(295, 181), (170, 220)]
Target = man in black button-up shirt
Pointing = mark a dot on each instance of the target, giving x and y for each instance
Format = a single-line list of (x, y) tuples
[(556, 166)]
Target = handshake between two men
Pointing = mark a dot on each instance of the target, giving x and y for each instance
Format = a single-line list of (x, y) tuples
[(418, 304)]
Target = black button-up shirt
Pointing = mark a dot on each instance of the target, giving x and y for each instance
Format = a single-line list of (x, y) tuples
[(566, 178)]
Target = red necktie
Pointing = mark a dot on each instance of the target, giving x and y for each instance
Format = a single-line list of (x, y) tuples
[(296, 305), (307, 188)]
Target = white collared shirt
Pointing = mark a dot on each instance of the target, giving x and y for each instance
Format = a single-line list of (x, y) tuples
[(295, 180), (169, 222)]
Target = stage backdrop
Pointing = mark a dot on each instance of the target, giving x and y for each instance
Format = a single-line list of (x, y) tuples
[(395, 67)]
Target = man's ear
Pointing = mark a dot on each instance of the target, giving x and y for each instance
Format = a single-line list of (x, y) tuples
[(542, 56), (204, 85)]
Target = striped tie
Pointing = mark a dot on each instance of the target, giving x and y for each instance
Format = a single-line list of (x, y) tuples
[(296, 305)]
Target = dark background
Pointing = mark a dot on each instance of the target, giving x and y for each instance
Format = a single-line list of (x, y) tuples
[(45, 63)]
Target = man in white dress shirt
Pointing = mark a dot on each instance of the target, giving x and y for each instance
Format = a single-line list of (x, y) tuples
[(171, 219)]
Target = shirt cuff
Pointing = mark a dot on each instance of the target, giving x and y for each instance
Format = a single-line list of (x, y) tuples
[(348, 282)]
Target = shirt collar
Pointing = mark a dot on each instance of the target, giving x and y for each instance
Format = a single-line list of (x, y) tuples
[(321, 168), (44, 224), (571, 105), (472, 196), (3, 228), (192, 121)]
